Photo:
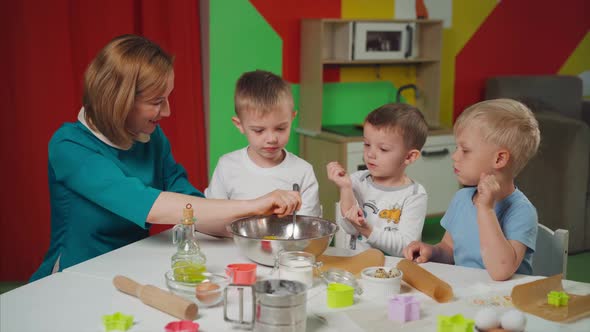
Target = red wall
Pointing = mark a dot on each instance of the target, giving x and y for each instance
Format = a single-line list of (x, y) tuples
[(520, 37), (46, 46)]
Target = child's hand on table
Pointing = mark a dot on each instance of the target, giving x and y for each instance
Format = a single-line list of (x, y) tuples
[(418, 252)]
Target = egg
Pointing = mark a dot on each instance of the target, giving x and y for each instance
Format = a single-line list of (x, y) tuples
[(394, 273), (487, 318), (381, 273), (206, 292), (513, 320)]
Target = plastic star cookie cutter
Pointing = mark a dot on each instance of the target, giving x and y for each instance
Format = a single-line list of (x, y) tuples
[(456, 323), (117, 322), (558, 299)]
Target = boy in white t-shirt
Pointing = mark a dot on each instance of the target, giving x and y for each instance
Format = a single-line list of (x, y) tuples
[(264, 113), (381, 205)]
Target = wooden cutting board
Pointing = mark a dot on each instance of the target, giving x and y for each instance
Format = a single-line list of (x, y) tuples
[(353, 264)]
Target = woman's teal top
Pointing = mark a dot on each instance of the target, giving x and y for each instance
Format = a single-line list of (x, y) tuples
[(101, 195)]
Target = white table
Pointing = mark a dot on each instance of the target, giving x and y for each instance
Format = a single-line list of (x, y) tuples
[(72, 302), (76, 299)]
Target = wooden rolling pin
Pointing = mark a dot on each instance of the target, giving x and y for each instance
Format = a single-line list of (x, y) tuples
[(353, 264), (157, 298), (425, 281)]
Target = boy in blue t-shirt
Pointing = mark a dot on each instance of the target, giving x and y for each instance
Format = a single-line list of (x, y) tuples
[(489, 224)]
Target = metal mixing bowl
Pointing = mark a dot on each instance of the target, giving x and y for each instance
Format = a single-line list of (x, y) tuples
[(261, 238)]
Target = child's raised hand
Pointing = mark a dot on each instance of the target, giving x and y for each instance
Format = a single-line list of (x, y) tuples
[(488, 189), (418, 252), (337, 174)]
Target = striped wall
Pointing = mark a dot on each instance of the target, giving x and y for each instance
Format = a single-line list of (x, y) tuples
[(481, 38)]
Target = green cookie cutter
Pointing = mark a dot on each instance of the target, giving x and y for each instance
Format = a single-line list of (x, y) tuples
[(340, 295), (117, 322)]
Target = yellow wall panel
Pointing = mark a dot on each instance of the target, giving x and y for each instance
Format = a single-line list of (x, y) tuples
[(447, 78), (579, 60), (468, 15), (367, 9)]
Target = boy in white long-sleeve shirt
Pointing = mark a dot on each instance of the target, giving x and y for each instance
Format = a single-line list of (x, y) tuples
[(382, 206), (264, 113)]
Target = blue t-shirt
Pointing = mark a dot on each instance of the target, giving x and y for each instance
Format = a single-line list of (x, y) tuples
[(101, 195), (518, 221)]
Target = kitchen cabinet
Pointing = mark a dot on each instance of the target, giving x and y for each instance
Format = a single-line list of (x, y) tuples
[(329, 42)]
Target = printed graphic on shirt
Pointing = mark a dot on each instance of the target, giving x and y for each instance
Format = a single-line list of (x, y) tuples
[(391, 215), (372, 209), (372, 206)]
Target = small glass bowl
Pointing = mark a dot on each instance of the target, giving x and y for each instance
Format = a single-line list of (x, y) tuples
[(342, 277), (206, 293)]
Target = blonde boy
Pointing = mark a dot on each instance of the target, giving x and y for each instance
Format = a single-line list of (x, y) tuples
[(264, 113), (490, 224), (381, 205)]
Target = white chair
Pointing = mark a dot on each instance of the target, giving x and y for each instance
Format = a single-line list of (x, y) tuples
[(550, 256)]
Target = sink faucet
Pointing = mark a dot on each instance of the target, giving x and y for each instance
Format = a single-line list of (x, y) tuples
[(406, 87)]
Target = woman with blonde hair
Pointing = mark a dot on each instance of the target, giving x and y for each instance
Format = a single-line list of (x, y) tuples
[(112, 173)]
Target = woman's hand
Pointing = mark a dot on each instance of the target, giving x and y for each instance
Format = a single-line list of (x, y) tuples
[(279, 202), (337, 174)]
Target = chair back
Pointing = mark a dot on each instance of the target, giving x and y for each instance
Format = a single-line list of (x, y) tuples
[(550, 256), (560, 93)]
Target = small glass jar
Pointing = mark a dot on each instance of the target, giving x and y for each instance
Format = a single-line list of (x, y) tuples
[(297, 266), (188, 263)]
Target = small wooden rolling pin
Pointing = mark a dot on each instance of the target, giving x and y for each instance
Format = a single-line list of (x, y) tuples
[(353, 264), (157, 298), (425, 281)]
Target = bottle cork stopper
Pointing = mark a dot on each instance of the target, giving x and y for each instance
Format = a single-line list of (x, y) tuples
[(187, 214)]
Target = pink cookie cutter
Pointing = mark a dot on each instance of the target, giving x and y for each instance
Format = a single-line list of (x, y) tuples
[(181, 326), (403, 309), (242, 273)]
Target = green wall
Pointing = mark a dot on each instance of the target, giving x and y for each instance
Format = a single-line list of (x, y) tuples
[(350, 102), (240, 41)]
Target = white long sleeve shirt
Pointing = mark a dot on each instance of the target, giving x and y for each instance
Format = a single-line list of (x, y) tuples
[(395, 213), (238, 177)]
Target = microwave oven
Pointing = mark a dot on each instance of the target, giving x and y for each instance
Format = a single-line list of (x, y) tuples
[(384, 41)]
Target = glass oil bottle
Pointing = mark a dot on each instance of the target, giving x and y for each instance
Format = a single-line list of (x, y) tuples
[(188, 263)]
